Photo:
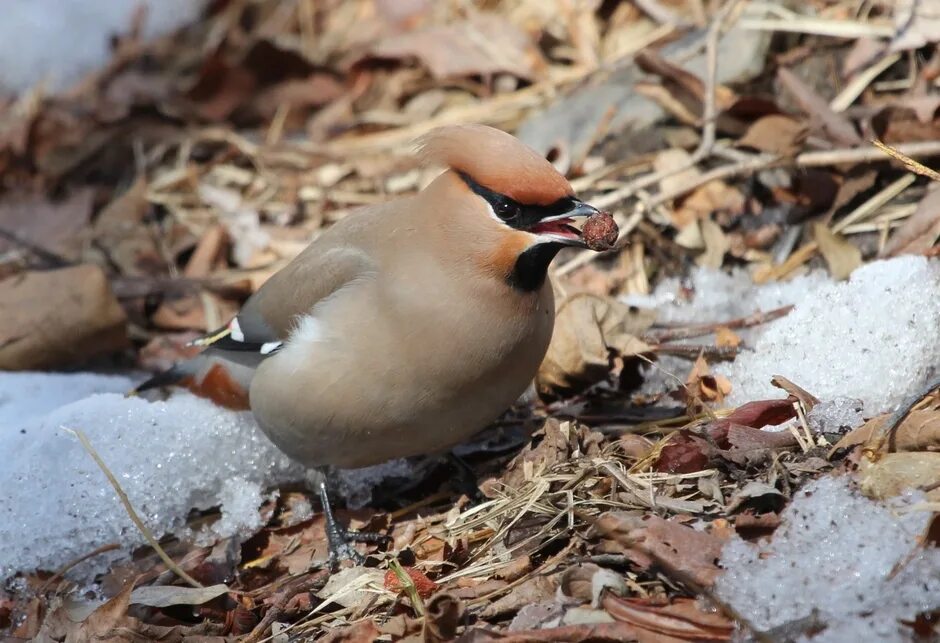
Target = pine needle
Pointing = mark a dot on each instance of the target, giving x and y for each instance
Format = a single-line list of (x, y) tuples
[(148, 535)]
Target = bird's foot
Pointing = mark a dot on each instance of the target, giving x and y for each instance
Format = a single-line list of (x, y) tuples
[(340, 540)]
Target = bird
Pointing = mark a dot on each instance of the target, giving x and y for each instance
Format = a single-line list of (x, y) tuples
[(407, 326)]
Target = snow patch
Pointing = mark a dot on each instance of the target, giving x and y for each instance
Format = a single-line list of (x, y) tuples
[(170, 458), (856, 562), (59, 41), (875, 337)]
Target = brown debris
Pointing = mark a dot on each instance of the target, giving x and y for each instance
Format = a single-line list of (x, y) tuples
[(58, 318)]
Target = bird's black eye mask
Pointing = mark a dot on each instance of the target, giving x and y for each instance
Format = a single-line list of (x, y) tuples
[(519, 215)]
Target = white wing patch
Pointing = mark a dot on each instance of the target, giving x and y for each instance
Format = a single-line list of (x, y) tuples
[(309, 330)]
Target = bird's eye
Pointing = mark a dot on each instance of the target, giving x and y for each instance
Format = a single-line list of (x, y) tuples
[(506, 210)]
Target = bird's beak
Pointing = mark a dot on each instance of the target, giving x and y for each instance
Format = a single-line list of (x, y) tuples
[(557, 227)]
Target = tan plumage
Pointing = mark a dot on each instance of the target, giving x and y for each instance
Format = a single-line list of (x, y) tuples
[(408, 326)]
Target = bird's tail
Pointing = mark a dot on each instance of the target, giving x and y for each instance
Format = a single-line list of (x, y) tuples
[(173, 376), (218, 380)]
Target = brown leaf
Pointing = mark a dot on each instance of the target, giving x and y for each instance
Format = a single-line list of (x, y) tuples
[(585, 633), (841, 256), (894, 473), (684, 618), (707, 200), (920, 431), (587, 329), (558, 440), (650, 541), (920, 231), (364, 631), (120, 233), (101, 625), (444, 613), (58, 318), (775, 134), (50, 226), (533, 590), (481, 45)]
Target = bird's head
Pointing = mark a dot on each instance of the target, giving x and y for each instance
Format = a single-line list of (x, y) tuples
[(513, 204)]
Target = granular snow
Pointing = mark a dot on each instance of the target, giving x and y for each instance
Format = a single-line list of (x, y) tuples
[(857, 563)]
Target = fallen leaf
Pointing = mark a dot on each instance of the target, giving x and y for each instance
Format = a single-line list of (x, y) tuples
[(707, 200), (920, 431), (588, 329), (841, 256), (775, 134), (99, 625), (533, 590), (444, 613), (481, 45), (52, 227), (894, 473), (58, 318), (650, 541), (587, 583), (167, 595), (683, 618), (920, 231), (756, 495)]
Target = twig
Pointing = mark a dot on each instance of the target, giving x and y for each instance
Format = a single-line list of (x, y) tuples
[(148, 535), (704, 149), (862, 80), (78, 561), (687, 332), (911, 164), (693, 351), (274, 612)]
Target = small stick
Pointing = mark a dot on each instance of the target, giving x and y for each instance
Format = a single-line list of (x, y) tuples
[(692, 352), (911, 164), (687, 332), (148, 535)]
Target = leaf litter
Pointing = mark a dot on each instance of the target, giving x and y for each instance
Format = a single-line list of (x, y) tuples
[(656, 485)]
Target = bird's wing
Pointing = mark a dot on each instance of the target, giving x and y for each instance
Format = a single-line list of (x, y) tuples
[(268, 317)]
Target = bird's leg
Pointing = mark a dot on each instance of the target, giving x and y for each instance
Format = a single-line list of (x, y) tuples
[(466, 481), (339, 539)]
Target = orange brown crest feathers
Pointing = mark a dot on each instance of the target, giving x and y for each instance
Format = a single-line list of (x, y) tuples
[(496, 160)]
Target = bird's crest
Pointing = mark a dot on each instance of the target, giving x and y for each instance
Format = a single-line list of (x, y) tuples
[(495, 160)]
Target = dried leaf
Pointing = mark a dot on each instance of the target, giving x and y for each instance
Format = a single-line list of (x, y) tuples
[(707, 200), (444, 613), (481, 45), (683, 618), (894, 473), (587, 329), (167, 595), (841, 256), (58, 318), (52, 227), (920, 231), (775, 134), (650, 541), (920, 431)]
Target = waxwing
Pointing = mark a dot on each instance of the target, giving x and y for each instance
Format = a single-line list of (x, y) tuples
[(405, 327)]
